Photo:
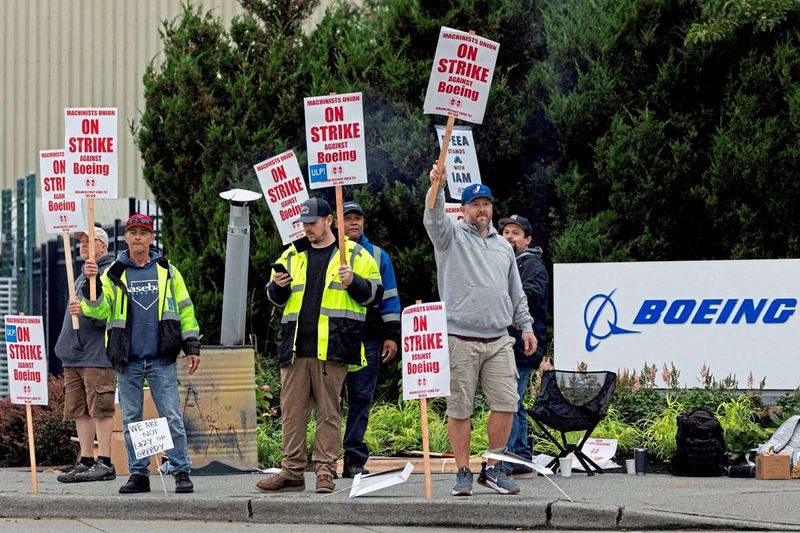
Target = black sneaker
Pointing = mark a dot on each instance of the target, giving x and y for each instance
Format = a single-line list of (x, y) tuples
[(463, 486), (352, 471), (183, 484), (98, 472), (69, 476), (496, 479), (136, 483)]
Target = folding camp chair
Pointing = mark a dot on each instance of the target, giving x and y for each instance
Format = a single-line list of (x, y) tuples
[(572, 401)]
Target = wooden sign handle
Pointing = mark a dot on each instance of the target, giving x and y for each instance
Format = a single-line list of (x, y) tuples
[(426, 448), (340, 224), (451, 121), (70, 276), (90, 235), (31, 448)]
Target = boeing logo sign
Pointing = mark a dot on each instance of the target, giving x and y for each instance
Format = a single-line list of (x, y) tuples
[(600, 315)]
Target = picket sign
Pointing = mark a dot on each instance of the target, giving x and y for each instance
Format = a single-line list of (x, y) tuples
[(95, 177), (150, 438), (27, 372), (59, 213), (426, 365), (284, 191), (459, 57)]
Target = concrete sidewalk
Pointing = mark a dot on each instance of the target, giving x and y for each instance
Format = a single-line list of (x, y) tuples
[(602, 502)]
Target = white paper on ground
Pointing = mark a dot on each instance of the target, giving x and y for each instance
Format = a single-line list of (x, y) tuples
[(508, 457), (543, 459), (364, 484)]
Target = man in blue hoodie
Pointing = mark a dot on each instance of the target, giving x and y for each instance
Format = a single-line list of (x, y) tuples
[(381, 339), (89, 380), (479, 282), (150, 320)]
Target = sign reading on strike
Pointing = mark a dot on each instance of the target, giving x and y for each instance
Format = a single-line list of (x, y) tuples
[(461, 75), (150, 437), (27, 360), (461, 160), (453, 211), (335, 140), (61, 214), (90, 146), (285, 191), (426, 357)]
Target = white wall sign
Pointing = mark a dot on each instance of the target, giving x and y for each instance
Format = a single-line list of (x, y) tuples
[(61, 214), (90, 147), (461, 160), (735, 316), (150, 437), (284, 190), (27, 360), (453, 211), (335, 140), (426, 358), (461, 75)]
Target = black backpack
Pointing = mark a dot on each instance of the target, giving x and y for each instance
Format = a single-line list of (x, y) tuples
[(700, 449)]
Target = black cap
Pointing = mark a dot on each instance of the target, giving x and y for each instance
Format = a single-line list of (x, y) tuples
[(314, 209), (352, 207), (520, 221)]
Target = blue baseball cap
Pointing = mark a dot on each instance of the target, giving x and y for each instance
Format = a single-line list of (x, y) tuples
[(479, 190)]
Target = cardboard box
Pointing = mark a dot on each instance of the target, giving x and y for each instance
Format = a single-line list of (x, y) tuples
[(773, 466)]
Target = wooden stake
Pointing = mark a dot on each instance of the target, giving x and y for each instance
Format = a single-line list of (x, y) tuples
[(340, 224), (157, 459), (70, 276), (90, 234), (451, 121), (31, 448), (426, 451)]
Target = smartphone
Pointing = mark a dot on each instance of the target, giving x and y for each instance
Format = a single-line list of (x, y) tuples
[(278, 267)]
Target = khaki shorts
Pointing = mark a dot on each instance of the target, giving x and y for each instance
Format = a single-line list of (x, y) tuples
[(88, 391), (490, 363)]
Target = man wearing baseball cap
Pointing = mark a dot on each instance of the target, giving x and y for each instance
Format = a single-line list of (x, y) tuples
[(381, 339), (89, 380), (479, 282), (150, 320), (324, 305), (518, 232)]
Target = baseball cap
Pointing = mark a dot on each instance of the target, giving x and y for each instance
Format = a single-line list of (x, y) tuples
[(479, 190), (139, 220), (99, 234), (313, 209), (520, 221), (352, 207)]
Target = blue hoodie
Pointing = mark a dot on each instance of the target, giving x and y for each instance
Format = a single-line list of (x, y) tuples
[(142, 284)]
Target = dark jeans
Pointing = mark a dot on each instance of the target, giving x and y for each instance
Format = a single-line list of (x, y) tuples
[(518, 439), (360, 387)]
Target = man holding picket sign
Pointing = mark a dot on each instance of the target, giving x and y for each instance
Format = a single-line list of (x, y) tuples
[(477, 277)]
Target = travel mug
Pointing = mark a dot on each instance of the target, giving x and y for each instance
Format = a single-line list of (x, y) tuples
[(640, 461)]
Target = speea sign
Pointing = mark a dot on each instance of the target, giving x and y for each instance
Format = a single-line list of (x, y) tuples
[(736, 316)]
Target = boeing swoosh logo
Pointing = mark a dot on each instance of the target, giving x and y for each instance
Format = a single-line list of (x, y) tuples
[(602, 310)]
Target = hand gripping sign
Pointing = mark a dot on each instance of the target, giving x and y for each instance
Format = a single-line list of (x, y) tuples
[(426, 365), (285, 191), (461, 75), (335, 140), (461, 160)]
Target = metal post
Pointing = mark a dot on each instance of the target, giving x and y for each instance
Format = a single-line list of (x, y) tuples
[(237, 262)]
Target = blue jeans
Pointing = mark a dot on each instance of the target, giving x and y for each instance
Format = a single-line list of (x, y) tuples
[(518, 439), (162, 376), (360, 390)]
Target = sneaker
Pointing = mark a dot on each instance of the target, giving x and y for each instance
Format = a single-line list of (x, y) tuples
[(325, 484), (353, 471), (69, 476), (519, 471), (496, 479), (136, 483), (278, 483), (463, 486), (97, 472), (183, 485)]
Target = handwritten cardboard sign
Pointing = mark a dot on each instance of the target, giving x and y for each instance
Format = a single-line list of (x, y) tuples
[(150, 437), (285, 191), (426, 357)]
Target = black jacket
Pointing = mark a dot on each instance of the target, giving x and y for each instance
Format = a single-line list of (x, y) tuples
[(535, 281)]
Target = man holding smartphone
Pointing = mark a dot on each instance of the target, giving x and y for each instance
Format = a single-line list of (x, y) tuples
[(381, 339), (324, 311)]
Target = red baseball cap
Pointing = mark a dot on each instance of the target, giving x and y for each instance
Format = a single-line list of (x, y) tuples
[(140, 220)]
